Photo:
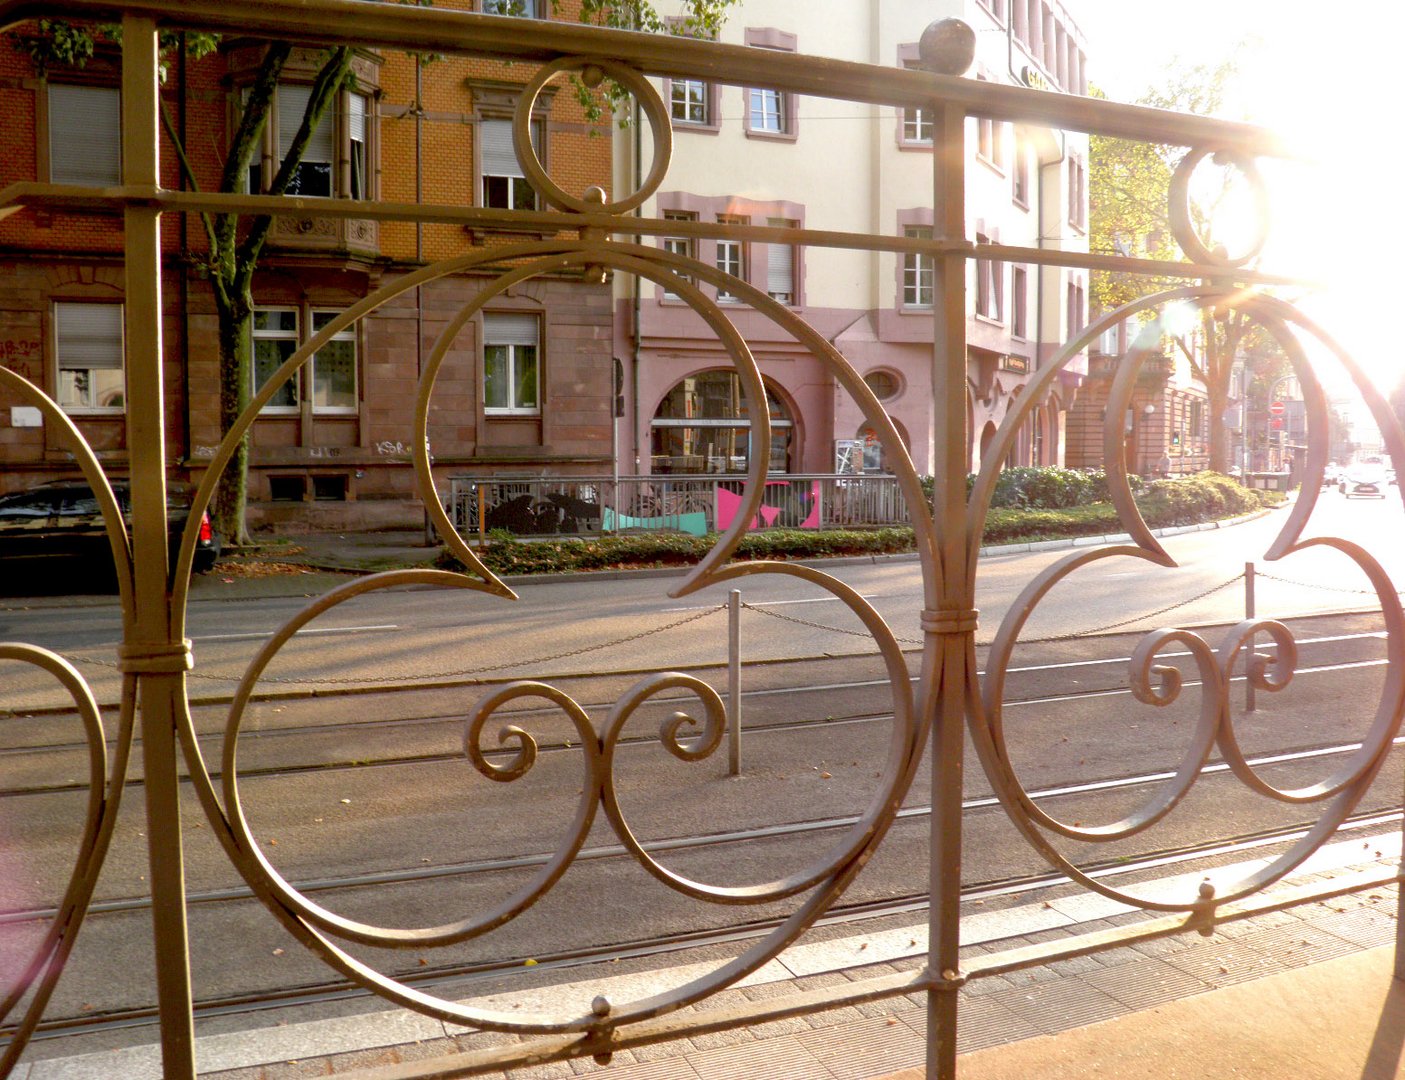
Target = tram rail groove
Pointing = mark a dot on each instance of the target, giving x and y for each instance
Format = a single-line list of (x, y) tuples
[(532, 711), (310, 994)]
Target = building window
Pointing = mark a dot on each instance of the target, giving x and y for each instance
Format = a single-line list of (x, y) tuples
[(780, 265), (88, 345), (685, 246), (688, 101), (990, 136), (919, 271), (731, 257), (336, 162), (766, 111), (331, 369), (770, 113), (356, 136), (1076, 307), (917, 126), (703, 425), (989, 286), (334, 368), (273, 340), (505, 186), (884, 384), (1019, 172), (522, 9), (1019, 302), (1077, 192), (511, 368), (314, 173), (85, 135)]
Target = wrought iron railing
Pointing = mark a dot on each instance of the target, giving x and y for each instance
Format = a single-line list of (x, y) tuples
[(591, 505), (932, 713)]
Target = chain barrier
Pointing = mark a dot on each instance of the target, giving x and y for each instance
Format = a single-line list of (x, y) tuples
[(1058, 637), (822, 626), (460, 673), (1315, 585)]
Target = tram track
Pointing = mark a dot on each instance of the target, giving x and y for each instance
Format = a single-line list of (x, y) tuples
[(466, 975), (546, 746)]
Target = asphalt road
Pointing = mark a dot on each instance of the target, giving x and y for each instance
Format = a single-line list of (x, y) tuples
[(341, 786), (588, 624)]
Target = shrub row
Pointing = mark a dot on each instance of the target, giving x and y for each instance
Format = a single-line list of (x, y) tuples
[(1182, 501)]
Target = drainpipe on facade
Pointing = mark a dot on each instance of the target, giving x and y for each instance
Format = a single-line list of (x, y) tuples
[(184, 259), (1039, 243), (419, 259), (637, 297)]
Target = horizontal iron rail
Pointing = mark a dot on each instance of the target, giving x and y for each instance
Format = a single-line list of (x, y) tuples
[(352, 22)]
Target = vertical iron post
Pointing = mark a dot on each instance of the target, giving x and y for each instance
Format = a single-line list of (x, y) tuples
[(149, 655), (734, 682), (1249, 611), (944, 654)]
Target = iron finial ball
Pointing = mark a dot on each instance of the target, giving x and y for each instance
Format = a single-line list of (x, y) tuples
[(595, 195), (592, 75), (947, 47)]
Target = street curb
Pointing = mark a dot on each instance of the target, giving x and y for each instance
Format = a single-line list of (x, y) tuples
[(994, 550)]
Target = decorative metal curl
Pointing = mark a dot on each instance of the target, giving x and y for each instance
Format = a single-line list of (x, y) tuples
[(644, 93), (260, 872), (1160, 685), (39, 975), (1183, 228)]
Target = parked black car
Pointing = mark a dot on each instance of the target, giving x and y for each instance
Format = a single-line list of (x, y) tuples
[(62, 520)]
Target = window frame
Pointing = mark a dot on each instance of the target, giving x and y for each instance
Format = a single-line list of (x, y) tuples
[(686, 246), (1077, 192), (990, 287), (914, 268), (738, 268), (347, 334), (1019, 302), (304, 390), (787, 120), (86, 407), (513, 409), (538, 142), (342, 165), (532, 9), (792, 298), (256, 335)]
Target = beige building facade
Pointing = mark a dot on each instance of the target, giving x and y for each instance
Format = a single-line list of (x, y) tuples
[(753, 156)]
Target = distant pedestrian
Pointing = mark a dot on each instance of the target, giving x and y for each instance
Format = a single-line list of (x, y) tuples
[(1163, 467)]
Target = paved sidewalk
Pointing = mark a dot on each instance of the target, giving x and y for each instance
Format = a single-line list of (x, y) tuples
[(1302, 994)]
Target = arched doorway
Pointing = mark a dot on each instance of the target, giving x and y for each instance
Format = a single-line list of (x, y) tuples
[(702, 426)]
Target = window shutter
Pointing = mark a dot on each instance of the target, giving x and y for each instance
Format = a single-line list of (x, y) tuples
[(780, 265), (356, 119), (89, 335), (503, 329), (499, 157), (292, 106), (85, 135)]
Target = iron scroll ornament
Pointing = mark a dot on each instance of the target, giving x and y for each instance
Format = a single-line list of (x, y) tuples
[(1159, 685)]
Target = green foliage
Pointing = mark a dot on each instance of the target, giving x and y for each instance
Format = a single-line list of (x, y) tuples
[(700, 19)]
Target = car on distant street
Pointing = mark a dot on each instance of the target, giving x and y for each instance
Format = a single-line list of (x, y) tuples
[(1368, 479), (62, 520)]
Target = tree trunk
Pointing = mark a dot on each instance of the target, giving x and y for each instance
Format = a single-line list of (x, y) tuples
[(235, 311)]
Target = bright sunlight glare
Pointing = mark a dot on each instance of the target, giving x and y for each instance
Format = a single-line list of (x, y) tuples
[(1324, 78)]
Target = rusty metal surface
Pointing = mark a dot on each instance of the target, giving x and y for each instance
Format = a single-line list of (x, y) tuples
[(948, 703)]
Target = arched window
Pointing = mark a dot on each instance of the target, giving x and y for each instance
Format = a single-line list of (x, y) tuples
[(702, 426)]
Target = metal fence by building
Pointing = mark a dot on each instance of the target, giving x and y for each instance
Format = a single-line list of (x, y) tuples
[(934, 711), (591, 505)]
